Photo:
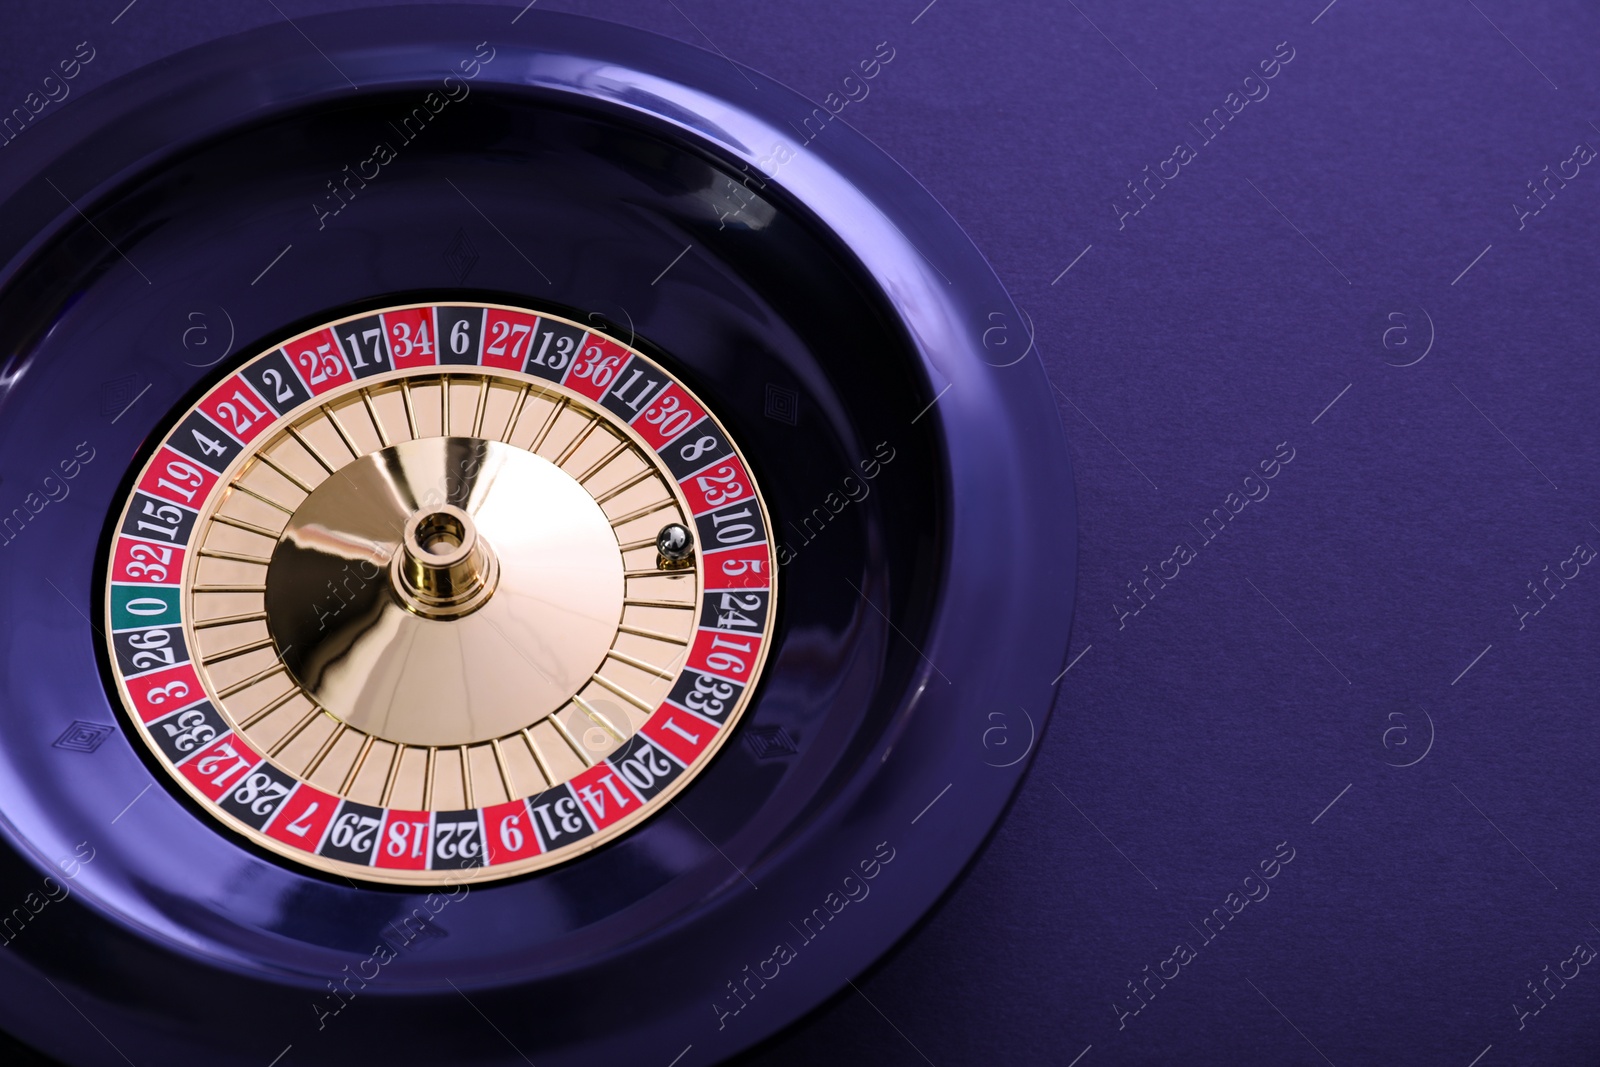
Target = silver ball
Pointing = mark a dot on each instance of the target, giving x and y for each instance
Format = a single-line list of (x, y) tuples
[(674, 542)]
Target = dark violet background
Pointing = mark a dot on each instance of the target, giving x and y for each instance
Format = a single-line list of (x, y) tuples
[(1303, 653)]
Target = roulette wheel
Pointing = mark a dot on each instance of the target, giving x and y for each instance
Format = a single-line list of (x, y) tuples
[(513, 549)]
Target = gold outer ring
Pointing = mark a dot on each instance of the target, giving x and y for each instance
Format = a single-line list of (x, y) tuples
[(197, 677)]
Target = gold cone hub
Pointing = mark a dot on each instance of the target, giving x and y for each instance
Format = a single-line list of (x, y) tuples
[(443, 570)]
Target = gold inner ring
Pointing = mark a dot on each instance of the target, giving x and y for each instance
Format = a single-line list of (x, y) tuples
[(443, 640)]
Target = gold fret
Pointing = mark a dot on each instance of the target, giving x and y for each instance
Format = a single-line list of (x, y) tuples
[(394, 772), (623, 693), (411, 414), (577, 442), (477, 420), (516, 413), (247, 527), (355, 768), (253, 646), (648, 668), (538, 757), (294, 432), (277, 703), (239, 687), (247, 491), (299, 728), (572, 742), (549, 423), (641, 513), (322, 753), (641, 603), (338, 427), (230, 620), (599, 719), (270, 462), (655, 635), (505, 768), (377, 423), (624, 487), (594, 468), (427, 779), (235, 557)]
